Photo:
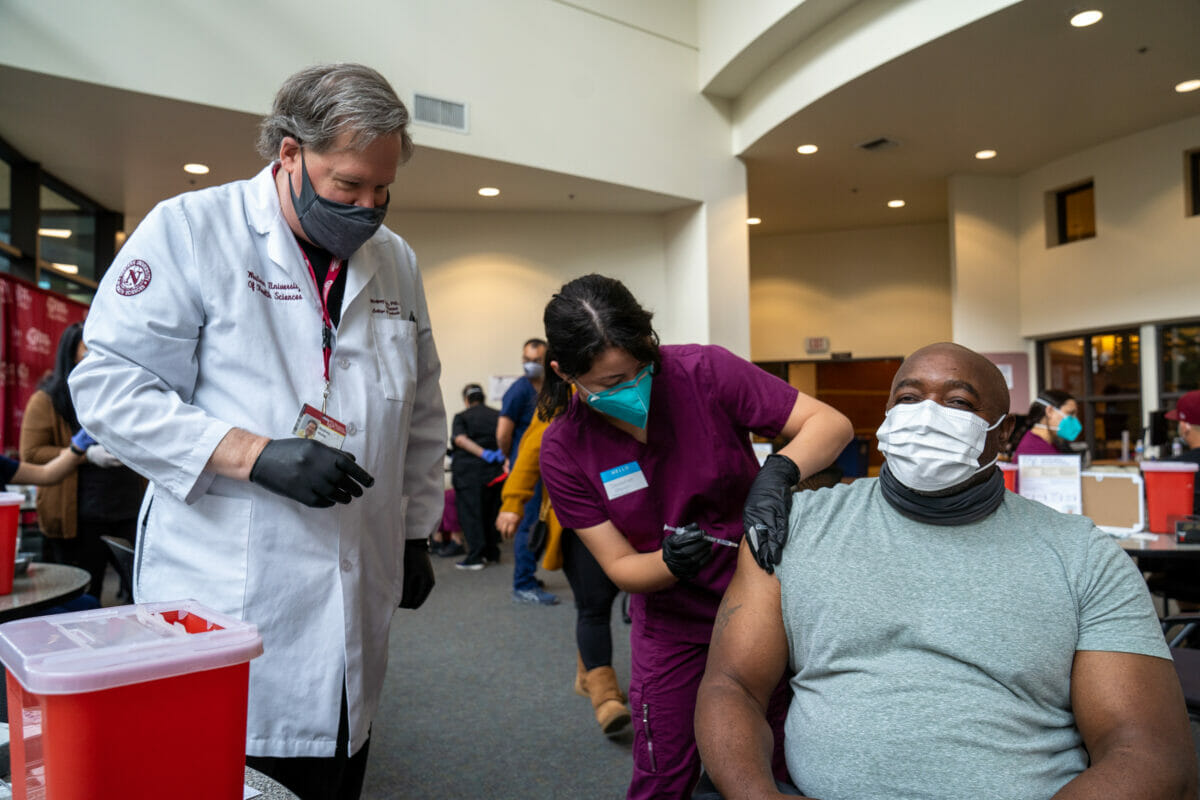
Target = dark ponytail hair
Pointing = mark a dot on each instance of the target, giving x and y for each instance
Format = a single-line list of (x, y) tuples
[(55, 384), (1053, 398), (588, 316)]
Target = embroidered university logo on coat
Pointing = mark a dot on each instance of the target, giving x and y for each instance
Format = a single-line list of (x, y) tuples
[(134, 278)]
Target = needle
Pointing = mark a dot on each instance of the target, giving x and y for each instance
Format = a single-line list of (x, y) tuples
[(705, 536)]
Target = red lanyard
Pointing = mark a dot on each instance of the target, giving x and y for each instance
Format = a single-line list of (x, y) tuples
[(335, 269)]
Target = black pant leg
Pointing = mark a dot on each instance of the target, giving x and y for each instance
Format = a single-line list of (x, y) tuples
[(94, 554), (61, 551), (468, 499), (594, 595), (336, 778), (491, 510)]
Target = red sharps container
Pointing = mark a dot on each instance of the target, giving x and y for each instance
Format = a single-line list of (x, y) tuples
[(129, 703), (1169, 492)]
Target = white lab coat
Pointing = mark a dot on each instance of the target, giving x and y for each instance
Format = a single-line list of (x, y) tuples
[(227, 332)]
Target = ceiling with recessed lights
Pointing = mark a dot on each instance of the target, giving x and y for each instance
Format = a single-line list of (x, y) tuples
[(1021, 82)]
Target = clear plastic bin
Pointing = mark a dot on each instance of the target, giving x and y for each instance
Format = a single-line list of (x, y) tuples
[(129, 703)]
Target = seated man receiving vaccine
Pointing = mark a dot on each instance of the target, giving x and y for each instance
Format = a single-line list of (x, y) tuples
[(949, 639)]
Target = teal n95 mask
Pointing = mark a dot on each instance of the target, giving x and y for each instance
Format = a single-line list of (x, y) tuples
[(930, 447), (1069, 428), (629, 401)]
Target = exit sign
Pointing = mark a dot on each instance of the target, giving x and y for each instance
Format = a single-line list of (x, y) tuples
[(816, 344)]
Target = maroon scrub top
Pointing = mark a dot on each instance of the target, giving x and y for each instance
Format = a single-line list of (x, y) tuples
[(1033, 445), (697, 462)]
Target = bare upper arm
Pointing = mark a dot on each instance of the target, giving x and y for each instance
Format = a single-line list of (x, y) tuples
[(805, 408), (629, 569), (606, 543), (749, 643), (1127, 700)]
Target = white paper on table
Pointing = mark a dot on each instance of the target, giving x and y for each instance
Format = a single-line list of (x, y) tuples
[(249, 791), (1053, 481)]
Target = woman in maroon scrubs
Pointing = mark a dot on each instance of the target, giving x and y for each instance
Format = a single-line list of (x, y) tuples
[(658, 438)]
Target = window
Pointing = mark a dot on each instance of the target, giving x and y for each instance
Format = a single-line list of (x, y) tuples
[(50, 233), (5, 202), (66, 241), (1103, 372), (1191, 182), (1071, 214), (1179, 365)]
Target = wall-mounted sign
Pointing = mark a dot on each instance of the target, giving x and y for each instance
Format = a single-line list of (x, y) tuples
[(816, 344)]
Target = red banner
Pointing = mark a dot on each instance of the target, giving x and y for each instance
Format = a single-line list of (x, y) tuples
[(31, 322)]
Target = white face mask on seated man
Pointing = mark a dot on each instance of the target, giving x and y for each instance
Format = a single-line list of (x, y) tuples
[(930, 447)]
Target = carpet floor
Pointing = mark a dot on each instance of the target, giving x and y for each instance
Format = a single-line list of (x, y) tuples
[(478, 700)]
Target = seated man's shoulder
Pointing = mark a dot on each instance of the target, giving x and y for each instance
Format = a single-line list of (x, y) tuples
[(827, 501)]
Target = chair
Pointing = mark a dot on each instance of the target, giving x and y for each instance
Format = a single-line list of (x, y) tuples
[(122, 551), (1181, 630)]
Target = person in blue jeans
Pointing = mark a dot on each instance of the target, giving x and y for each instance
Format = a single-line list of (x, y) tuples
[(516, 412)]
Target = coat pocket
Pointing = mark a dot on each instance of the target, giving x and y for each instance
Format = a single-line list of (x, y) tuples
[(195, 552), (396, 354)]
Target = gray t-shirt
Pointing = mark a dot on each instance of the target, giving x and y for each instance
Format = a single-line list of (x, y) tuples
[(935, 661)]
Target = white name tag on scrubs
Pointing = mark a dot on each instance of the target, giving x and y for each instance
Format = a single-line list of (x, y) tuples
[(623, 480)]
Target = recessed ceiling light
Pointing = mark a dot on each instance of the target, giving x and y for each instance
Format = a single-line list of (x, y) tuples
[(895, 204), (983, 155), (489, 191), (1085, 18), (196, 169), (70, 269), (55, 233), (753, 221), (806, 149), (1188, 86)]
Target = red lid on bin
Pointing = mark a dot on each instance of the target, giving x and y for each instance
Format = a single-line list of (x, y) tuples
[(103, 648), (1169, 466)]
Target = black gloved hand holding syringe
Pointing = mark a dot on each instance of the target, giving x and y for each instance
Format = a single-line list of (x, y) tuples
[(688, 549)]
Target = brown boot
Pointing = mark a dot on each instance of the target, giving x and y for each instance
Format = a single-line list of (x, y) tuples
[(612, 713), (580, 676)]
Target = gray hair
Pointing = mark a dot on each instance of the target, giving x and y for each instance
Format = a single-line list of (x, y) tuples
[(318, 104)]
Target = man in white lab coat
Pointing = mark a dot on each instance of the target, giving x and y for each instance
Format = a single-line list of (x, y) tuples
[(231, 314)]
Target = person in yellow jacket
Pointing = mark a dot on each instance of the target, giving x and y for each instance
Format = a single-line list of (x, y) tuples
[(594, 592)]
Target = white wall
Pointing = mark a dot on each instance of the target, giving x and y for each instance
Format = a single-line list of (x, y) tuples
[(549, 85), (604, 89), (874, 292), (671, 19), (866, 35), (489, 276), (728, 33), (984, 295), (1143, 264)]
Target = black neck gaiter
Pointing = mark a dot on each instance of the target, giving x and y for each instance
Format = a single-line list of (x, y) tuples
[(963, 508)]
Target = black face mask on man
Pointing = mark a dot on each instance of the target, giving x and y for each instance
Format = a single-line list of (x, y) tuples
[(340, 228)]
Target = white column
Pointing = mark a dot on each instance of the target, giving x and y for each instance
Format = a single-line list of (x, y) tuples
[(985, 310)]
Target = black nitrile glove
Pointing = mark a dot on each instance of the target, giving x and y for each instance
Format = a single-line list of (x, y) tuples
[(686, 551), (767, 508), (309, 472), (418, 573)]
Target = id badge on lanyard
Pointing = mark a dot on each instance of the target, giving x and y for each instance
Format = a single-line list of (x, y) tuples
[(313, 423)]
